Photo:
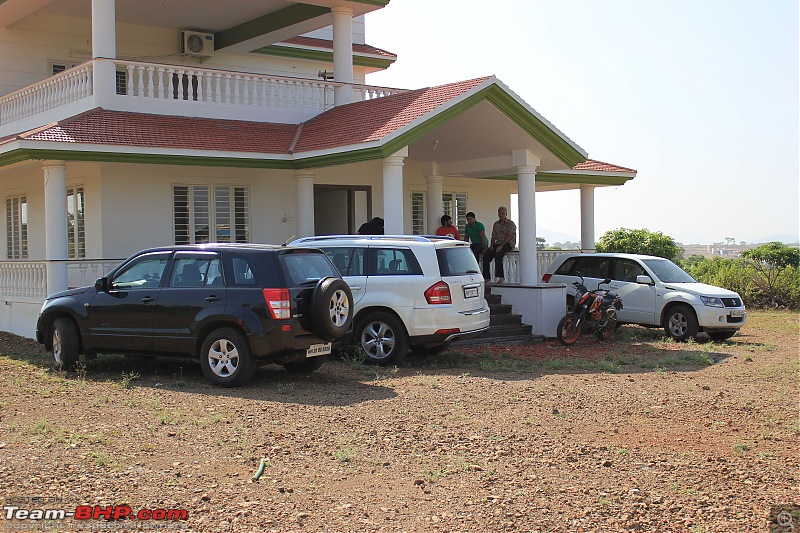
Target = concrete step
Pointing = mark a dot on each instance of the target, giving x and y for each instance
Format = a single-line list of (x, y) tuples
[(500, 309), (510, 329), (505, 319), (510, 339)]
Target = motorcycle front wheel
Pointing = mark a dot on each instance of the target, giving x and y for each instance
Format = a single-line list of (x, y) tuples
[(607, 325), (568, 330)]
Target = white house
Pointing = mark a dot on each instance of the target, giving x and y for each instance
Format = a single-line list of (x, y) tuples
[(125, 125)]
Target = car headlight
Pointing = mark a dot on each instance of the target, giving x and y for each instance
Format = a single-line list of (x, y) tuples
[(711, 301)]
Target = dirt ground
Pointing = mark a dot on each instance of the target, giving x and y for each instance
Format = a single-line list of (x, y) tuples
[(636, 433)]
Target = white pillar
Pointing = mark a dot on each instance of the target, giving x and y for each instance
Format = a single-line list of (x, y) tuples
[(526, 225), (393, 193), (304, 181), (343, 53), (587, 217), (104, 49), (435, 211), (55, 229)]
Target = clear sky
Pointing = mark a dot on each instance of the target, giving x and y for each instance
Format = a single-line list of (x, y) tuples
[(699, 96)]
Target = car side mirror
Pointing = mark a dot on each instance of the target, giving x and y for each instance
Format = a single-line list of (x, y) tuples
[(101, 284), (644, 280)]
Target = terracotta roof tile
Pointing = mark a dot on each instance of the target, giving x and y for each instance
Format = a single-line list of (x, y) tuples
[(371, 120), (325, 43), (591, 164), (159, 131)]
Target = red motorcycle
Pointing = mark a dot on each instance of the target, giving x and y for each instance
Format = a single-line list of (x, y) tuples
[(595, 310)]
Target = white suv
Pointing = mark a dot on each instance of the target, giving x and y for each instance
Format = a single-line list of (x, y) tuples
[(409, 291), (655, 292)]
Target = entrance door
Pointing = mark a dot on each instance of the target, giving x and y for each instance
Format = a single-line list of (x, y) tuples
[(341, 209)]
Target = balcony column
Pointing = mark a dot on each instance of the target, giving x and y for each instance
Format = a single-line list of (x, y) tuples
[(393, 193), (343, 54), (104, 50), (587, 217), (435, 210), (55, 230), (526, 163), (304, 181)]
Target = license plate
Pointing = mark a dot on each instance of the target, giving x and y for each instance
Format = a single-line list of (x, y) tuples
[(319, 349), (737, 313), (470, 292)]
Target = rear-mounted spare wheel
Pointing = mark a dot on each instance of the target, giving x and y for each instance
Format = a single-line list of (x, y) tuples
[(331, 308)]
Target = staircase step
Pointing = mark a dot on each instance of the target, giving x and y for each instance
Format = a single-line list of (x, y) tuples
[(500, 331), (500, 309), (493, 298), (512, 339), (505, 319)]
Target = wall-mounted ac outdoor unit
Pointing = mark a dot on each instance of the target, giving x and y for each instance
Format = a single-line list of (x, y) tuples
[(195, 43)]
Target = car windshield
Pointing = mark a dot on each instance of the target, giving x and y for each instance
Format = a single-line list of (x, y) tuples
[(667, 271)]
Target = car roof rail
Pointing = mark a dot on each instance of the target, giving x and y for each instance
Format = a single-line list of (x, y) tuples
[(416, 238)]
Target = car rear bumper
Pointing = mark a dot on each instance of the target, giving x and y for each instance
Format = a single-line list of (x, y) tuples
[(276, 343), (435, 320)]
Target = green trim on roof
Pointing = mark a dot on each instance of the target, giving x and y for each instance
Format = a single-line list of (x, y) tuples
[(16, 156), (557, 177), (532, 125), (265, 24), (319, 55), (378, 3)]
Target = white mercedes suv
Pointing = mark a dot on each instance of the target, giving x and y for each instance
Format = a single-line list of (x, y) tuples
[(655, 292), (410, 291)]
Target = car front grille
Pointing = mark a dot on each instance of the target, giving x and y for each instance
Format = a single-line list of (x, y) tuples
[(735, 319), (732, 302)]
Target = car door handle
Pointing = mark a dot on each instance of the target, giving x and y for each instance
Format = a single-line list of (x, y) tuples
[(212, 298), (356, 287), (614, 286), (147, 299)]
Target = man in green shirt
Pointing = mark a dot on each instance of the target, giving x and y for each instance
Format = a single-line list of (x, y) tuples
[(475, 234)]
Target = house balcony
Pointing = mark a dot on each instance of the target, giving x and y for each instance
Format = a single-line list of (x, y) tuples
[(181, 90)]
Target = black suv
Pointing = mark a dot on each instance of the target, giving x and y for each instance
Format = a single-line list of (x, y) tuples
[(233, 306)]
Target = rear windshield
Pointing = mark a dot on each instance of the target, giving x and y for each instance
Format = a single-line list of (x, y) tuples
[(456, 261), (307, 267)]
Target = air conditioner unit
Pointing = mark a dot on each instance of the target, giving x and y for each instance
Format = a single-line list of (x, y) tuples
[(196, 43)]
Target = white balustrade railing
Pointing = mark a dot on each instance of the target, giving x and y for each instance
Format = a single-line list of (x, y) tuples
[(172, 82), (23, 278), (544, 258), (83, 272), (155, 81), (56, 91)]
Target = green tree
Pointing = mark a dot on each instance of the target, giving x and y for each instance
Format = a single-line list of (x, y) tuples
[(639, 241), (771, 261)]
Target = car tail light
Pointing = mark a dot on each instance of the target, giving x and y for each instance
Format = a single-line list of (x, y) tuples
[(546, 278), (447, 331), (278, 303), (438, 293)]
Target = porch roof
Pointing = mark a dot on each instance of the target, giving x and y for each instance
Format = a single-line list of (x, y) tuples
[(364, 130)]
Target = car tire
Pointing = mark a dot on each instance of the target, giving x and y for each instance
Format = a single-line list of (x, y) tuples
[(306, 366), (719, 336), (680, 323), (331, 308), (226, 359), (383, 339), (65, 341)]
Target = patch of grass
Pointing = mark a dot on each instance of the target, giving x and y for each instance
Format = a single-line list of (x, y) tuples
[(345, 455), (286, 388), (127, 378), (678, 359), (740, 447)]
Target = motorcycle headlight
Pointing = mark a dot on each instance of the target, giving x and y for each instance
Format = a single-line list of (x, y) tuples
[(710, 301)]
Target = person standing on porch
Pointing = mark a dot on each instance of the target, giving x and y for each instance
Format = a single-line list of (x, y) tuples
[(475, 234), (447, 228), (504, 237)]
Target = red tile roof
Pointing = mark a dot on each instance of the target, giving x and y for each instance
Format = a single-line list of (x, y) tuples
[(325, 43), (160, 131), (371, 120), (591, 164)]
